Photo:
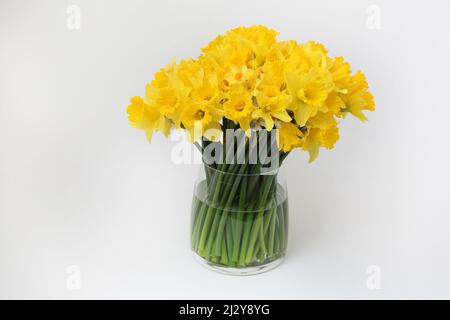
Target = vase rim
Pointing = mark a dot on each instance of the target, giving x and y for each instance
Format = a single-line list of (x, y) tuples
[(261, 173)]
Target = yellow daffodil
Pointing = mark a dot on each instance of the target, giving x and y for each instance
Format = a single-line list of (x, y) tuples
[(309, 93), (240, 76), (358, 98), (316, 54), (142, 116), (206, 93), (316, 137), (334, 104), (340, 71), (272, 105), (196, 113), (290, 137), (329, 137), (168, 100), (239, 106), (322, 120), (201, 123), (249, 77)]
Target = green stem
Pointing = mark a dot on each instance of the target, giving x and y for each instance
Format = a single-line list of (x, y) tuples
[(198, 222), (224, 254), (257, 225), (229, 240), (272, 234), (239, 220)]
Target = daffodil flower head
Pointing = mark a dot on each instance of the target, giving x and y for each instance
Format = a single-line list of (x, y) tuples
[(289, 137), (142, 116), (239, 104)]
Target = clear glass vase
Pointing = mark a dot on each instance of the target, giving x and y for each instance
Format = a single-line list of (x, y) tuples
[(239, 220)]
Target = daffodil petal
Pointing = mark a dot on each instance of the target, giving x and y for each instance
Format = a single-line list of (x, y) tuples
[(282, 115)]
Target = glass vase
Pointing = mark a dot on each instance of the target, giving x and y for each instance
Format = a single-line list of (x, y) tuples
[(239, 220)]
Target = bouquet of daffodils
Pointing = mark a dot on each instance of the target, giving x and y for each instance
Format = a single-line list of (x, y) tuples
[(280, 95)]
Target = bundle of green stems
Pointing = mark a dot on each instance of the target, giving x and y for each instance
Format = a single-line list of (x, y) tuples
[(240, 210)]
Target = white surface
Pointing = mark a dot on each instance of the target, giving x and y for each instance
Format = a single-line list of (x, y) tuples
[(79, 187)]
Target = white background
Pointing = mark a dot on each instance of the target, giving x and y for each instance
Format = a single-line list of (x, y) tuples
[(79, 187)]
